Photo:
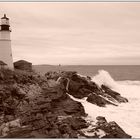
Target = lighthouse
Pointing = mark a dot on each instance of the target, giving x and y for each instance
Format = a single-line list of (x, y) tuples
[(5, 43)]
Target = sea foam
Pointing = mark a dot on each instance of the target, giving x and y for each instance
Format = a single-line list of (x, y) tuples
[(126, 114)]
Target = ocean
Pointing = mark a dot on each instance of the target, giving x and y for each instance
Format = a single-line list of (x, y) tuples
[(118, 72), (123, 79)]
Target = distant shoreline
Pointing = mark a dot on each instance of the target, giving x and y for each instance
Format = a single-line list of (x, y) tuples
[(117, 72), (82, 65)]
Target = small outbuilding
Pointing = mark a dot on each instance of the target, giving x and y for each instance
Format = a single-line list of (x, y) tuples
[(23, 65), (2, 65)]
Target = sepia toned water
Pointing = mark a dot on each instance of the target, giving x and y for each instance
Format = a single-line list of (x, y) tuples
[(118, 72), (126, 114), (123, 79)]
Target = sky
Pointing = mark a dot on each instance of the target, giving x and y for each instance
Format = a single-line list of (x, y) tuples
[(75, 33)]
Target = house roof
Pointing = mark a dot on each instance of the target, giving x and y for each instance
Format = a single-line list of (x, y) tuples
[(22, 61), (2, 63)]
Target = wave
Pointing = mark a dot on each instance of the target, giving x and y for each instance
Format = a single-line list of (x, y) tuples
[(126, 114), (104, 78), (127, 88), (129, 82)]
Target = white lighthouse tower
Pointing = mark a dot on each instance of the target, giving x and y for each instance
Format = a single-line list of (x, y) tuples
[(5, 43)]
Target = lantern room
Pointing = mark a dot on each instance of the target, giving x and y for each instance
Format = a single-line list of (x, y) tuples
[(5, 23)]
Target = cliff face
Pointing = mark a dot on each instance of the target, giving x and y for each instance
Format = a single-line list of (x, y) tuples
[(34, 106)]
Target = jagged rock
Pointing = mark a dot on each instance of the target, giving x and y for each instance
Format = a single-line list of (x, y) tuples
[(104, 129), (20, 133), (52, 75), (74, 87), (39, 102), (78, 123), (5, 128), (75, 122), (113, 130), (81, 87), (109, 91), (67, 131), (114, 94), (98, 100), (76, 90), (100, 120), (68, 107), (36, 134), (121, 99), (54, 133), (8, 118)]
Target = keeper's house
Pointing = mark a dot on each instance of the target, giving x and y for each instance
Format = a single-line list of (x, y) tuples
[(23, 65)]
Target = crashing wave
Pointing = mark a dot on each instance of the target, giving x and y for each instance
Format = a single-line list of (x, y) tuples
[(104, 78), (126, 115)]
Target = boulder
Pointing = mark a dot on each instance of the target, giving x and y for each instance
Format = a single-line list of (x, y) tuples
[(121, 99), (67, 131), (113, 130), (114, 94), (68, 107), (104, 129), (54, 133), (75, 122), (20, 133), (100, 120), (98, 100)]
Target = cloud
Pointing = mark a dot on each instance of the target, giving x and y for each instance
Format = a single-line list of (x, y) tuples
[(75, 32)]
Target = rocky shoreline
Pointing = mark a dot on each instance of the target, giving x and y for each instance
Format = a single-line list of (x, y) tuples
[(35, 106)]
